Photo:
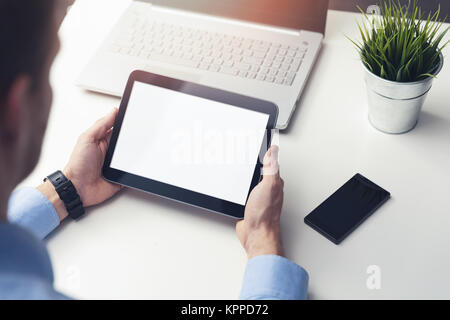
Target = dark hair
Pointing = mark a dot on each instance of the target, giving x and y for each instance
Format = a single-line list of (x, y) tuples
[(25, 27)]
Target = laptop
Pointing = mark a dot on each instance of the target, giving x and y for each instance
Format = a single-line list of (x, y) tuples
[(261, 49)]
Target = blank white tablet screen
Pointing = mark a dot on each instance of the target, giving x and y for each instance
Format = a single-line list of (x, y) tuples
[(190, 142)]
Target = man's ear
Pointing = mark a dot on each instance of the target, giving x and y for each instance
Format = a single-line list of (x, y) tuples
[(14, 104)]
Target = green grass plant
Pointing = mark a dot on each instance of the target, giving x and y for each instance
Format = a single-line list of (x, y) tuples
[(401, 43)]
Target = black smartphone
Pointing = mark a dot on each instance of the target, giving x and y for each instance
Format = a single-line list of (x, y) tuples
[(347, 208)]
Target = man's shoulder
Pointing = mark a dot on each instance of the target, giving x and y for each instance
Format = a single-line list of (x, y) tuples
[(25, 267), (27, 287)]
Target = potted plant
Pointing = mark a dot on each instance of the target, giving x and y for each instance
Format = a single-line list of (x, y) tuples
[(401, 50)]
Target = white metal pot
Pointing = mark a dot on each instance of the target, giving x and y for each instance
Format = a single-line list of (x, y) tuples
[(394, 107)]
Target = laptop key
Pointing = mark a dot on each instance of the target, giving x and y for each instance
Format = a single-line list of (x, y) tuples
[(272, 72), (296, 65), (254, 68), (236, 58), (276, 65), (279, 80), (259, 54), (230, 71), (264, 70), (251, 75), (288, 60), (243, 66), (253, 60), (261, 48), (208, 59), (228, 63), (290, 80), (291, 53), (214, 68), (204, 66), (278, 59), (242, 74), (281, 74), (285, 66), (248, 52)]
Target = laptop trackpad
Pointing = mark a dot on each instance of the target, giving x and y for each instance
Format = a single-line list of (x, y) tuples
[(174, 73)]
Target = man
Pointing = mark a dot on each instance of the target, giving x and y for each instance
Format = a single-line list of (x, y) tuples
[(28, 30)]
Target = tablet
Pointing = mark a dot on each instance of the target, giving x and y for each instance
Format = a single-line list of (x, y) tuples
[(189, 143)]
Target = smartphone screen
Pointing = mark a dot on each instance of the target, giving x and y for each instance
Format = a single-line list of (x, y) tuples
[(347, 208)]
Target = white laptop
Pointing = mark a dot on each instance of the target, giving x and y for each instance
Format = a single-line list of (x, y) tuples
[(262, 49)]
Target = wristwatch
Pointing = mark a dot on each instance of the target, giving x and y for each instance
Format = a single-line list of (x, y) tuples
[(67, 193)]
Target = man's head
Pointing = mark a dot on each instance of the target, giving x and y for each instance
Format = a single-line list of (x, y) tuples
[(28, 33)]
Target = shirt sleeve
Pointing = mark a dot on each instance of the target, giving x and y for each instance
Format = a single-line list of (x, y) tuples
[(271, 277), (30, 209)]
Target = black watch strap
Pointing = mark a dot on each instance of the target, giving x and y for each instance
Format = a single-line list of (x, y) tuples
[(67, 193)]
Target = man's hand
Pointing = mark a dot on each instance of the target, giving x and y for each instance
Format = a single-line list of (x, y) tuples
[(259, 232), (85, 168), (86, 162)]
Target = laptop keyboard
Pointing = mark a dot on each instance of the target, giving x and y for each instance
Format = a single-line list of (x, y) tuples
[(216, 52)]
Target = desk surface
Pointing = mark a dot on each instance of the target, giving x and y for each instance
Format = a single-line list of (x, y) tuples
[(140, 246)]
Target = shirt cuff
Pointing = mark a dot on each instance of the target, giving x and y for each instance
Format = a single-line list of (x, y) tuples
[(30, 209), (271, 277)]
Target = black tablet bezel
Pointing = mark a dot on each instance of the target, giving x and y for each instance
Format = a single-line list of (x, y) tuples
[(176, 193)]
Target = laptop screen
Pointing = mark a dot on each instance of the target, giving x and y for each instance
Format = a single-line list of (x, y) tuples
[(292, 14)]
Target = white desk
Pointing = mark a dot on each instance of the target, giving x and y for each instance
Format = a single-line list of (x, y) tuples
[(140, 246)]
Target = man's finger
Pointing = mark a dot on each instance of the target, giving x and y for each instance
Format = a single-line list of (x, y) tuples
[(108, 136), (101, 128), (240, 228), (271, 168)]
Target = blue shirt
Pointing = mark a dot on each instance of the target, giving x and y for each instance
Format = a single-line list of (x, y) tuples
[(26, 271)]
